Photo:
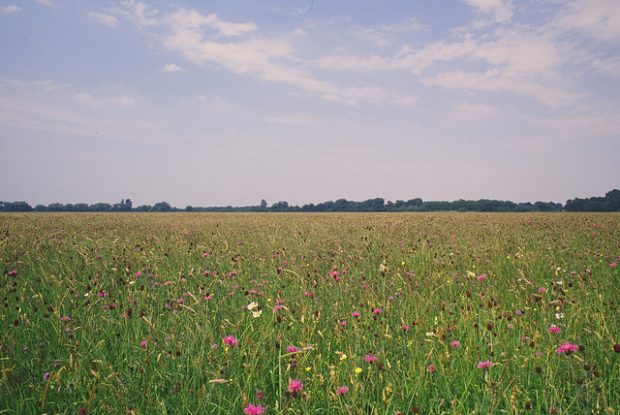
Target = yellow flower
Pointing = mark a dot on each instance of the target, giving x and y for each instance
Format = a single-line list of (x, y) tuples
[(358, 370)]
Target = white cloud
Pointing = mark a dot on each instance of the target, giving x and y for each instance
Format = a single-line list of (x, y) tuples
[(172, 67), (136, 12), (609, 67), (10, 9), (500, 9), (104, 19), (599, 19), (270, 60)]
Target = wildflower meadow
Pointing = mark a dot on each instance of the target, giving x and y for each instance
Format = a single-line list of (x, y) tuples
[(180, 313)]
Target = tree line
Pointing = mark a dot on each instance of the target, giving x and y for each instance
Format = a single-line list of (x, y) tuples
[(609, 203)]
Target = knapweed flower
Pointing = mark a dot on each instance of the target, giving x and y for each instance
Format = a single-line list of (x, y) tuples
[(405, 327), (230, 341), (295, 387), (342, 390), (455, 344), (46, 376), (481, 277), (144, 343), (252, 409), (370, 358), (377, 311), (292, 349), (431, 368), (485, 365), (553, 329), (355, 314), (542, 290), (567, 348)]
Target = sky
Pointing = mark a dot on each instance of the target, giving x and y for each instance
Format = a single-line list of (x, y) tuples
[(213, 102)]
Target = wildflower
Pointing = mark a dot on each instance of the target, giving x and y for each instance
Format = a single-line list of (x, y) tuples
[(481, 277), (259, 394), (377, 311), (567, 348), (205, 254), (542, 290), (256, 314), (295, 387), (455, 344), (553, 329), (46, 376), (370, 358), (252, 409), (355, 314), (358, 370), (405, 327), (292, 349), (613, 264), (252, 305), (12, 273), (65, 318), (230, 341), (144, 343), (485, 365), (431, 368), (519, 312), (342, 390)]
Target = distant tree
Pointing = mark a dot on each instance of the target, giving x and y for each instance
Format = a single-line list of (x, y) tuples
[(144, 208), (56, 207), (162, 207), (81, 207), (189, 208), (40, 208), (263, 204), (101, 207), (281, 206)]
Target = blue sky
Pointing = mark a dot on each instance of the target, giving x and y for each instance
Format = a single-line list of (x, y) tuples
[(229, 102)]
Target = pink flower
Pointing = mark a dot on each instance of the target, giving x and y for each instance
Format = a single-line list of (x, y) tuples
[(613, 264), (431, 368), (481, 277), (12, 273), (292, 349), (355, 314), (205, 254), (567, 348), (377, 311), (455, 344), (144, 343), (252, 409), (370, 358), (295, 387), (65, 318), (405, 327), (485, 365), (46, 376), (553, 329), (342, 390), (230, 341), (542, 290)]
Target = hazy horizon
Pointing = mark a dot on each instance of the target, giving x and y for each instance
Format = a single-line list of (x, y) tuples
[(227, 103)]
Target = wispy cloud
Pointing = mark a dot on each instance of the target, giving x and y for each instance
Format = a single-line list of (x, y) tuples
[(10, 9), (172, 67), (501, 10), (104, 19)]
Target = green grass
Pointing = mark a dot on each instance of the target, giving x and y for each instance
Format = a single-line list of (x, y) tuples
[(126, 278)]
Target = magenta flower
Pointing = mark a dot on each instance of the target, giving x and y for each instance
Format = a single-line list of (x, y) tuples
[(355, 314), (46, 376), (405, 327), (553, 329), (342, 390), (567, 348), (542, 290), (144, 343), (252, 409), (377, 311), (12, 273), (292, 349), (431, 368), (370, 358), (295, 387), (481, 277), (455, 344), (485, 365), (230, 341)]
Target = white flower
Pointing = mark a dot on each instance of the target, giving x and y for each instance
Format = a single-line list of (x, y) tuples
[(252, 305), (256, 314)]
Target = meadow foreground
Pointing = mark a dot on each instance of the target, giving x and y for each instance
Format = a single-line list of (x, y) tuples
[(309, 314)]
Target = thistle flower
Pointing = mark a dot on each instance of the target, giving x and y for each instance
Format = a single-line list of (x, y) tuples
[(485, 365), (252, 409), (230, 341)]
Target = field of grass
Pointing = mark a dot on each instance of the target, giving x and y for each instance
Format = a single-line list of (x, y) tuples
[(309, 314)]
